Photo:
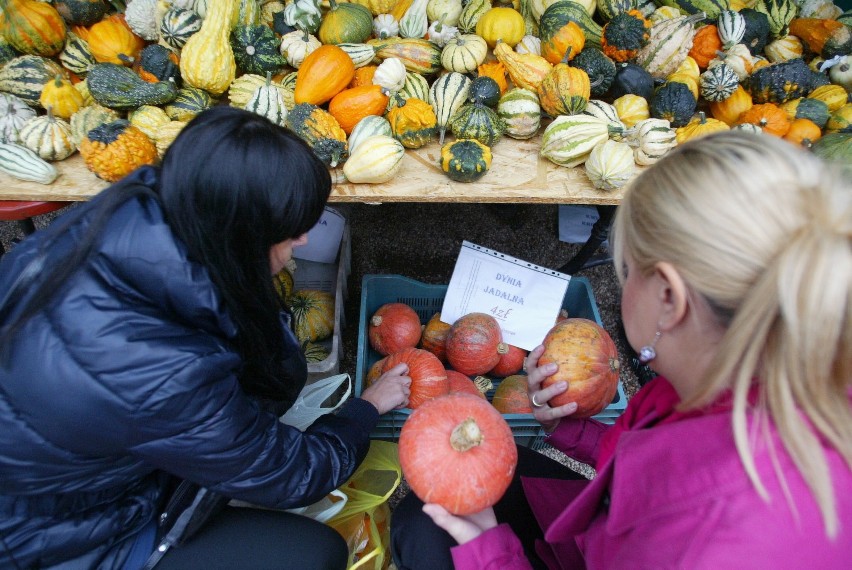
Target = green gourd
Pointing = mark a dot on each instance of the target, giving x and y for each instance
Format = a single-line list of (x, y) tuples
[(25, 76), (118, 87), (465, 160), (256, 49), (20, 162), (478, 122)]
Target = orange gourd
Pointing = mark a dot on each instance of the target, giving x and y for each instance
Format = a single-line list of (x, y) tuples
[(428, 375), (511, 396), (434, 337), (565, 44), (459, 452), (496, 71), (351, 105), (393, 327), (814, 32), (459, 383), (729, 110), (705, 45), (324, 73), (769, 117), (363, 76), (111, 40), (587, 360), (511, 360), (803, 132), (31, 27), (473, 342)]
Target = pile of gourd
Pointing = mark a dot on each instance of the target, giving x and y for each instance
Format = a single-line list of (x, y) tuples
[(607, 84)]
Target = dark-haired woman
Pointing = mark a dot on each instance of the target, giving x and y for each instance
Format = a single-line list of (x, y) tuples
[(142, 343)]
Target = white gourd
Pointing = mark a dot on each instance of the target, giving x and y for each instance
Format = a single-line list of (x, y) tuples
[(376, 159), (267, 102), (390, 74), (20, 162), (610, 165), (385, 26), (49, 137), (440, 33), (414, 23), (447, 94), (14, 113), (141, 16), (529, 44), (607, 112), (295, 47), (731, 27), (651, 139), (521, 111), (568, 140), (369, 126), (446, 10)]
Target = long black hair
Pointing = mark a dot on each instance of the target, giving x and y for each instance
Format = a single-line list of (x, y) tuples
[(231, 185)]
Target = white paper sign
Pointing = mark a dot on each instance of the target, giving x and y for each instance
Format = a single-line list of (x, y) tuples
[(323, 239), (524, 298)]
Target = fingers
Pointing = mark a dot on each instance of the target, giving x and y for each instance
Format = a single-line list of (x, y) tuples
[(400, 369)]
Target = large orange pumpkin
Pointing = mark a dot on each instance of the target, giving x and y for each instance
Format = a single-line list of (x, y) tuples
[(434, 337), (459, 383), (587, 360), (472, 343), (428, 375), (459, 452), (511, 360), (511, 395), (392, 327)]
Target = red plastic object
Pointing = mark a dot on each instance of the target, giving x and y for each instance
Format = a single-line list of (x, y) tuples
[(11, 210)]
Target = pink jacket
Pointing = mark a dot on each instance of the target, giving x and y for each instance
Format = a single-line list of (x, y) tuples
[(671, 495)]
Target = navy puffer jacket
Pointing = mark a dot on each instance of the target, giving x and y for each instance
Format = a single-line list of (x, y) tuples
[(130, 372)]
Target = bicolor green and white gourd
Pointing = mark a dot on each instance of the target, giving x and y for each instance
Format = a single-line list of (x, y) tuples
[(651, 139), (375, 159), (189, 102), (471, 13), (23, 164), (447, 94), (25, 76), (14, 114), (440, 33), (361, 54), (731, 27), (561, 12), (178, 25), (256, 49), (478, 122), (304, 15), (296, 46), (464, 53), (718, 83), (369, 126), (607, 9), (415, 86), (243, 87), (266, 101), (779, 13), (610, 165), (76, 56), (448, 11), (669, 44), (385, 26), (711, 8), (521, 112), (414, 23), (7, 52), (607, 112), (49, 137), (569, 139), (315, 352)]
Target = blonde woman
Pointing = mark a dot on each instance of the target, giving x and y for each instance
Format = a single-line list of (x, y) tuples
[(735, 257)]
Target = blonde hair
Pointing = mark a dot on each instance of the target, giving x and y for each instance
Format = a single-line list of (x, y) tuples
[(761, 230)]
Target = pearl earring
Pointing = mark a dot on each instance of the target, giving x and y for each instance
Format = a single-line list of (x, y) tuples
[(648, 353)]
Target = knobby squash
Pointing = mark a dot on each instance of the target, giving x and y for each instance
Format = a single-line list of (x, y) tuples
[(115, 149)]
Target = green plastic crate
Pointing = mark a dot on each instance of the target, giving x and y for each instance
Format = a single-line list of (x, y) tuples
[(426, 300)]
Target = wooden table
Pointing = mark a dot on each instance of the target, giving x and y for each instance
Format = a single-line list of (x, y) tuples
[(517, 175)]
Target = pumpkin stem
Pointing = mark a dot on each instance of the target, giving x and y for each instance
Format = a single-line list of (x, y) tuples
[(376, 320), (483, 383), (502, 348), (466, 435)]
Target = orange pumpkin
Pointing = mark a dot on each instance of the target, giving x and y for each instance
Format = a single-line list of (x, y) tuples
[(587, 360), (803, 132), (565, 44), (324, 73), (363, 76), (351, 105), (434, 337), (393, 327), (428, 375), (511, 360), (496, 71), (459, 452), (511, 396), (705, 45), (769, 117), (32, 27), (815, 31), (729, 110), (111, 40), (472, 344), (459, 383)]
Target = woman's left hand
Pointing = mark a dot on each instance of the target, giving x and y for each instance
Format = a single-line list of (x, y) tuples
[(462, 528)]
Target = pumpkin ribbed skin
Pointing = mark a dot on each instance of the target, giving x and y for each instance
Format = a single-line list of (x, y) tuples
[(473, 121), (96, 115), (376, 159), (313, 314), (320, 130), (61, 98), (178, 25), (428, 376), (434, 337), (20, 162), (417, 55), (447, 94), (112, 41), (392, 327), (587, 359), (511, 396), (564, 91), (14, 114), (472, 343), (345, 22), (569, 139), (521, 111), (34, 28), (413, 122), (256, 49), (461, 384), (48, 136), (465, 160), (459, 452)]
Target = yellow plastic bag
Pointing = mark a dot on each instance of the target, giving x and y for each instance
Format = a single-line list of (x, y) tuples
[(364, 521)]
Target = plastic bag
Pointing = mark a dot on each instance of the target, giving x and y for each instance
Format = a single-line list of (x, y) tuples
[(364, 521), (325, 508), (309, 405)]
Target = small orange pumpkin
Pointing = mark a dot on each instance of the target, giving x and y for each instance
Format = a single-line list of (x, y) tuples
[(729, 110), (459, 383), (351, 105), (392, 327), (434, 337), (511, 395), (705, 45), (473, 343), (803, 132), (511, 360), (428, 375), (769, 117), (324, 73), (565, 44), (111, 40)]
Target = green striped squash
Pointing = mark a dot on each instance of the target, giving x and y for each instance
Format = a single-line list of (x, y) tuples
[(569, 139), (242, 89), (25, 76), (560, 13), (256, 49), (609, 8), (266, 101), (521, 112), (77, 57), (14, 114), (669, 44), (313, 314), (178, 25), (49, 137), (711, 8), (447, 94), (315, 352), (369, 126), (471, 13), (607, 112), (360, 54), (731, 26), (845, 17), (376, 159), (20, 162), (189, 102), (473, 121), (779, 13), (415, 86)]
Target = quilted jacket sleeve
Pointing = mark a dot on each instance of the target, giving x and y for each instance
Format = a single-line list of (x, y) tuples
[(578, 439)]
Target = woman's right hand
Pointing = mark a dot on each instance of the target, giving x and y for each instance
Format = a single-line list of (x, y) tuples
[(548, 417), (391, 390)]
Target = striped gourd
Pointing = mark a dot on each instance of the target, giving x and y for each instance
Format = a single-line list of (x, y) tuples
[(609, 8), (464, 53), (669, 44), (14, 114), (651, 139), (20, 162), (569, 139), (7, 52), (49, 137), (418, 55), (207, 58), (471, 13), (731, 28), (610, 165), (718, 83), (779, 13), (360, 54), (521, 111), (76, 56), (313, 314), (369, 126), (189, 102), (243, 88), (607, 112), (561, 12), (178, 25), (315, 352), (148, 119), (711, 8), (475, 121), (447, 94), (415, 86), (376, 159), (92, 116), (26, 75), (266, 101)]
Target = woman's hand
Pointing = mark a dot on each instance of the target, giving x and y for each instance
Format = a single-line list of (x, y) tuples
[(391, 390), (539, 396), (462, 529)]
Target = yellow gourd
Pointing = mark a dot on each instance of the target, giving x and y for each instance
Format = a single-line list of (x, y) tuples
[(501, 24), (207, 59), (59, 95), (526, 70)]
